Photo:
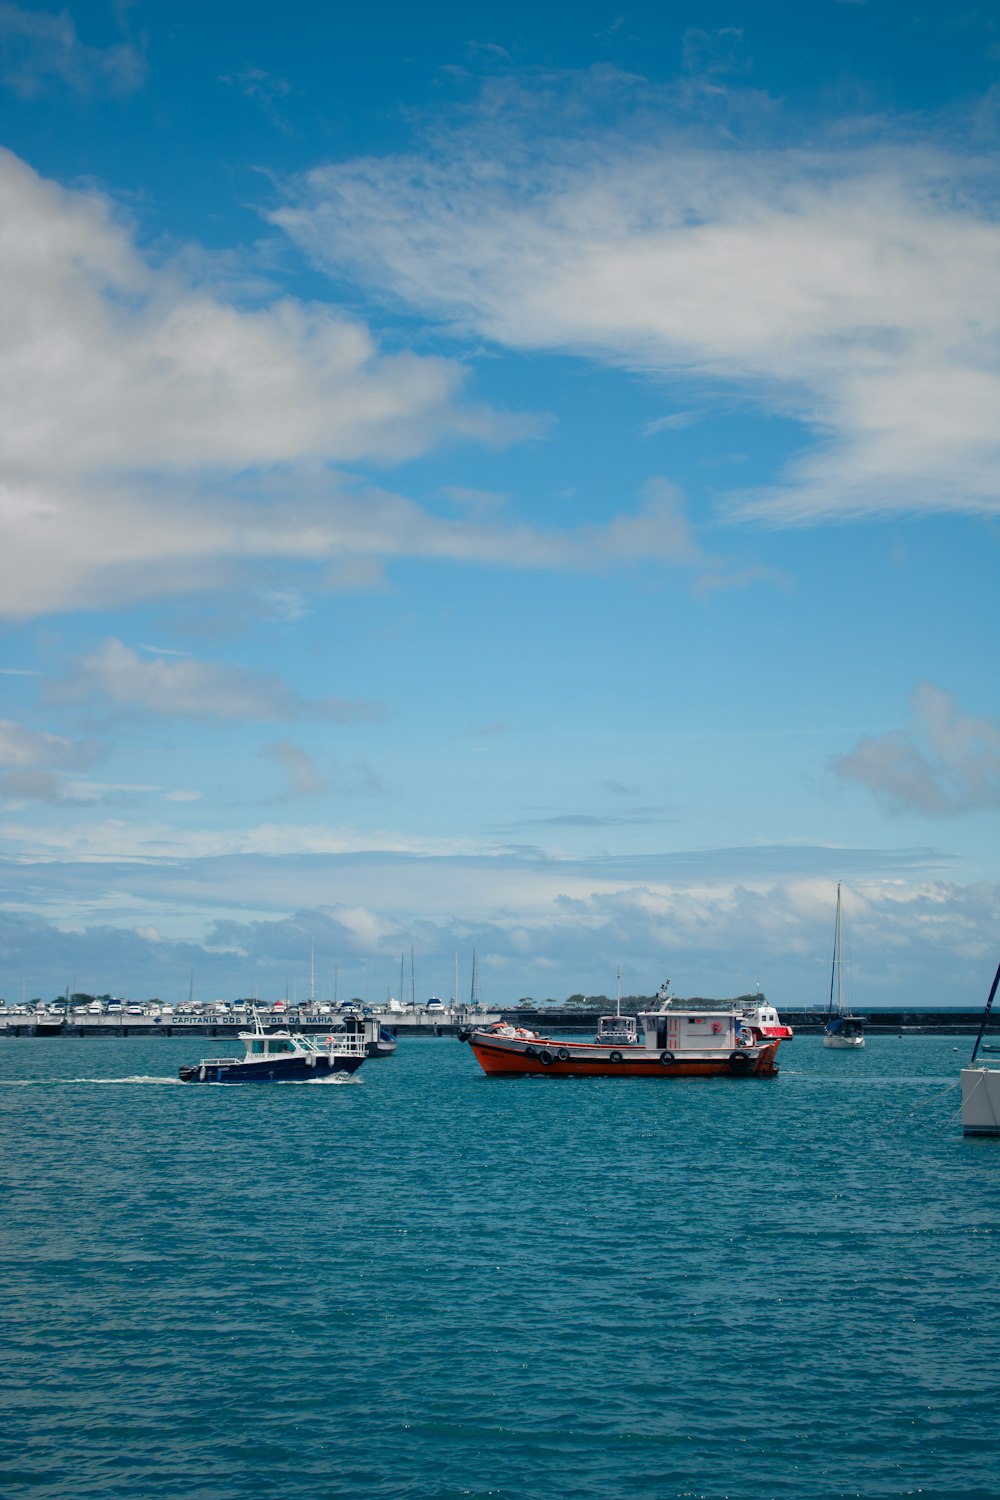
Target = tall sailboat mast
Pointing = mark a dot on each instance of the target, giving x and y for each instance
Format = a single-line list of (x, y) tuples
[(835, 970)]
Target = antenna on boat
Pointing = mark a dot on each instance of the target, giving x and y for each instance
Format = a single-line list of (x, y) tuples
[(312, 971), (401, 957), (474, 987), (413, 980), (618, 992), (986, 1015)]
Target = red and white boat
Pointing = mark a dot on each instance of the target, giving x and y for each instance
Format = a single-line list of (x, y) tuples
[(669, 1042), (763, 1021)]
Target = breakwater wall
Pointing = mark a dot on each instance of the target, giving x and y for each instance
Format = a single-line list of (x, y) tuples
[(803, 1022), (114, 1026)]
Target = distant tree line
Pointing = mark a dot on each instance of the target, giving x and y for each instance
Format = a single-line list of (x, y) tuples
[(631, 1004)]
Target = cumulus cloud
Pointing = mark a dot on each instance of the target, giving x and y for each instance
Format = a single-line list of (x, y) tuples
[(945, 763), (853, 287), (39, 48), (538, 929), (118, 677)]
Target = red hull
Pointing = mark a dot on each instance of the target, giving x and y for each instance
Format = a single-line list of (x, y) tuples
[(514, 1057)]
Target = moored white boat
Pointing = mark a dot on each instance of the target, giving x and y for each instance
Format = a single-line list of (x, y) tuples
[(981, 1084)]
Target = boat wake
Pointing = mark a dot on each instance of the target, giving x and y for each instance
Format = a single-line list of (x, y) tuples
[(338, 1080), (48, 1083)]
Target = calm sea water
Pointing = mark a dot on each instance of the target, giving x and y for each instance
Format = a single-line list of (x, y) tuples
[(427, 1283)]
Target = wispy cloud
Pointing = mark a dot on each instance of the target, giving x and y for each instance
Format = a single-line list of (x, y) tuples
[(304, 780), (674, 421), (39, 48), (34, 764), (117, 677), (945, 763), (850, 285)]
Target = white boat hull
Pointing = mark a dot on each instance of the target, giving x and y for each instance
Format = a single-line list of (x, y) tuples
[(981, 1101), (843, 1042)]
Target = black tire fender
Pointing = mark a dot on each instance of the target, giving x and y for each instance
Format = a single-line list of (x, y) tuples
[(563, 1054), (740, 1062), (615, 1057), (666, 1058), (546, 1057)]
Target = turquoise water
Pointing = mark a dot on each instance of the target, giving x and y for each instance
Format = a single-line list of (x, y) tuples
[(427, 1283)]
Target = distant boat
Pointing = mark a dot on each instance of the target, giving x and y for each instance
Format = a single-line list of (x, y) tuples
[(981, 1085), (842, 1029)]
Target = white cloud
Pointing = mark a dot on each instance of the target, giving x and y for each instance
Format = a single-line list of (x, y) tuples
[(39, 47), (119, 677), (158, 439), (947, 762), (855, 289), (539, 928)]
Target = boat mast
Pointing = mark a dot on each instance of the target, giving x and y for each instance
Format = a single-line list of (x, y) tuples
[(618, 992), (835, 970), (474, 987), (401, 958), (413, 980), (312, 971)]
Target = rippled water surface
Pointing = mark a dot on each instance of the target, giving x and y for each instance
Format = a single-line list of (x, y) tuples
[(427, 1283)]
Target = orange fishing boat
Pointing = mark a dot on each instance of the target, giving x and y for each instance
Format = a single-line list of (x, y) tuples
[(669, 1042)]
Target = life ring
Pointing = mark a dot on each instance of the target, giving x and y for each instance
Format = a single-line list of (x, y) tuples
[(201, 1073), (328, 1040), (546, 1057), (739, 1062), (563, 1054), (666, 1058), (615, 1057)]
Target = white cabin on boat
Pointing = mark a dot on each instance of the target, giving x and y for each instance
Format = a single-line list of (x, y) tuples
[(674, 1030)]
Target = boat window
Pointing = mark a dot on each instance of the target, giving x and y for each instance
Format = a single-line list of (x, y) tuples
[(257, 1047)]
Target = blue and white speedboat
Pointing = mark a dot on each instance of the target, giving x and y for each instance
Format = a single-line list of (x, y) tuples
[(282, 1057)]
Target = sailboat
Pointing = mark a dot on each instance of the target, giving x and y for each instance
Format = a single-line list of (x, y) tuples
[(842, 1029), (981, 1085)]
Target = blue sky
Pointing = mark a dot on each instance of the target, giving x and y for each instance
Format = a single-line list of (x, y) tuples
[(513, 477)]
